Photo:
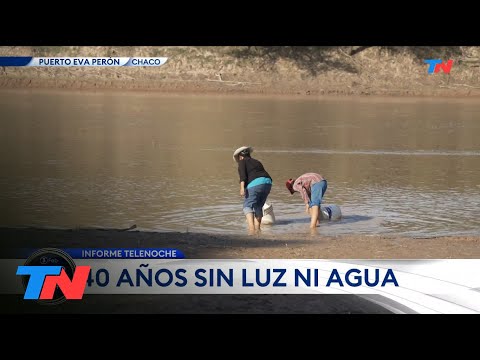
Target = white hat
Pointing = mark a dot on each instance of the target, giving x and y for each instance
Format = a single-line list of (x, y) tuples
[(239, 150)]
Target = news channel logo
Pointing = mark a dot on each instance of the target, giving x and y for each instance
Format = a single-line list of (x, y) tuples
[(46, 277)]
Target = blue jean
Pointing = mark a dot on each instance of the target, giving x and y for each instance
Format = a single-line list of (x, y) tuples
[(255, 198), (318, 190)]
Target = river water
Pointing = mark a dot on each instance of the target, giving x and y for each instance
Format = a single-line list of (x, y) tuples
[(395, 166)]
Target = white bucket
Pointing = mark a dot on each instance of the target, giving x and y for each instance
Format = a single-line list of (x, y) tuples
[(331, 212), (268, 215)]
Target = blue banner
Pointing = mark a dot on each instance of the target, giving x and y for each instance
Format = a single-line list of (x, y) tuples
[(15, 60)]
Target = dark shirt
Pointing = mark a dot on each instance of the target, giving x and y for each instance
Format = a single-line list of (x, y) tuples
[(249, 169)]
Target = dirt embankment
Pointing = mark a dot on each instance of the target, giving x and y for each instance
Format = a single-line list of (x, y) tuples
[(346, 70)]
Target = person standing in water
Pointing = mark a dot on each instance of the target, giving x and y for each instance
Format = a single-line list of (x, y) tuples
[(255, 186)]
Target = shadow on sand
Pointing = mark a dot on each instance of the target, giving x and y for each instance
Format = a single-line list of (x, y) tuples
[(193, 245), (32, 237)]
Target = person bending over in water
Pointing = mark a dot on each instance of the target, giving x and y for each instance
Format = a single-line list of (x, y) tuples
[(312, 187), (255, 186)]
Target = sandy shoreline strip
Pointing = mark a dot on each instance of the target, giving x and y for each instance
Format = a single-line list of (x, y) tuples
[(263, 246), (194, 87)]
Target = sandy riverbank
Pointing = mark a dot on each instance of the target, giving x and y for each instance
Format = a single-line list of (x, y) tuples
[(292, 88), (263, 246), (306, 71)]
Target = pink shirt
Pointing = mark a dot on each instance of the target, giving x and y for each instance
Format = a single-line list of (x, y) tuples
[(303, 185)]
